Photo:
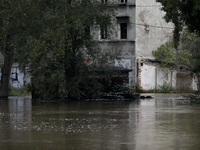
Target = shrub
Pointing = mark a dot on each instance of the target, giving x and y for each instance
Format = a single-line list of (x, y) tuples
[(26, 90), (128, 89), (120, 88), (164, 88)]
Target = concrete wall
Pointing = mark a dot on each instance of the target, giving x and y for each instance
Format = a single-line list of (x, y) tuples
[(152, 76), (124, 14), (157, 32), (151, 31), (147, 30)]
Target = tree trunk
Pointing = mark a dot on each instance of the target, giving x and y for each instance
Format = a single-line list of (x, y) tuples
[(5, 77), (198, 84)]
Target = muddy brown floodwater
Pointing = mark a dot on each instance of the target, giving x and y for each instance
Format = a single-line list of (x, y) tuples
[(161, 123)]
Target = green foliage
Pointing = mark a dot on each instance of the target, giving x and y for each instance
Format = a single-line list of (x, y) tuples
[(24, 91), (167, 54), (164, 88), (184, 55), (182, 13), (128, 89), (194, 98), (53, 38), (138, 89), (120, 88), (187, 54)]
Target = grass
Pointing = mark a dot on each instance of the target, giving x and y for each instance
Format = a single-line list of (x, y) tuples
[(24, 91), (128, 89), (165, 88)]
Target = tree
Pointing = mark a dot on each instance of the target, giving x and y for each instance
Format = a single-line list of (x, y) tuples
[(182, 13), (10, 22), (54, 38), (186, 55)]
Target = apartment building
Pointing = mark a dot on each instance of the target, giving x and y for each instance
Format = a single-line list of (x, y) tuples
[(140, 29)]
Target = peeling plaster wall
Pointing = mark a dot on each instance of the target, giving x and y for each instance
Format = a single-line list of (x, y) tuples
[(151, 31), (151, 76), (127, 46), (148, 77), (147, 30), (148, 13)]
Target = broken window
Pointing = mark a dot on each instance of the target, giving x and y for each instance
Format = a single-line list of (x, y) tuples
[(123, 1), (123, 30), (103, 30)]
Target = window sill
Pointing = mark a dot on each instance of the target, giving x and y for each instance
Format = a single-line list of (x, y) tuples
[(123, 4), (114, 41)]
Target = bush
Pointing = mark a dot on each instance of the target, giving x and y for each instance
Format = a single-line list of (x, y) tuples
[(138, 89), (120, 88), (165, 88), (26, 90), (194, 98), (128, 89)]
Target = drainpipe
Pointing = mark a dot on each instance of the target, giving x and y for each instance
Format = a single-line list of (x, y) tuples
[(171, 78), (156, 71)]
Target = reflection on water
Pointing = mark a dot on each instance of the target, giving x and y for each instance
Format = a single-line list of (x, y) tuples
[(153, 124)]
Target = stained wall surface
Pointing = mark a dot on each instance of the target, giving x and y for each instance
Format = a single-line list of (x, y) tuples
[(151, 29)]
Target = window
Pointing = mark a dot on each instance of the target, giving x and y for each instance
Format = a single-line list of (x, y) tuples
[(123, 30), (103, 30), (123, 1), (87, 30), (104, 1)]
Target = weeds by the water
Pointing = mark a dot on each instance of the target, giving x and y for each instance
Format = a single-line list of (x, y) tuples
[(194, 97), (165, 88), (20, 91), (128, 89)]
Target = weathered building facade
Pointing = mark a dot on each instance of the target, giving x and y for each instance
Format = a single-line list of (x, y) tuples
[(140, 29)]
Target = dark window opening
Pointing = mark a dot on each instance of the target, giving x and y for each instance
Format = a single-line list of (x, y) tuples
[(104, 1), (124, 1), (87, 31), (141, 64), (123, 28), (104, 32)]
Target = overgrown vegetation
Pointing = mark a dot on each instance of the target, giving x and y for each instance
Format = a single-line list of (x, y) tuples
[(182, 13), (24, 91), (183, 51), (186, 56), (165, 88), (194, 98), (128, 89), (56, 39)]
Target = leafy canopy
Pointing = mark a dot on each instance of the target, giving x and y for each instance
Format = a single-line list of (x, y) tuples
[(186, 55), (54, 38), (182, 13)]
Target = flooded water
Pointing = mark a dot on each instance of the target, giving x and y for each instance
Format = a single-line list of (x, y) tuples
[(147, 124)]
